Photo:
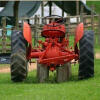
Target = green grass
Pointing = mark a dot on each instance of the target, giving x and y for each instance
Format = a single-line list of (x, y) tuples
[(31, 90), (74, 89), (96, 43)]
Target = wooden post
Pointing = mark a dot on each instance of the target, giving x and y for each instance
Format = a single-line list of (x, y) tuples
[(99, 30), (92, 22), (69, 25), (28, 21), (42, 11), (35, 31), (62, 9), (81, 14), (4, 35), (64, 72), (62, 13), (38, 22), (50, 8), (42, 72), (77, 10), (92, 18), (16, 13)]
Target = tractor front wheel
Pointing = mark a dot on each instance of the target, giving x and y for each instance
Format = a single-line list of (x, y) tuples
[(86, 58), (19, 62)]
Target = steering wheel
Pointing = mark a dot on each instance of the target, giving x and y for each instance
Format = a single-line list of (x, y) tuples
[(59, 20)]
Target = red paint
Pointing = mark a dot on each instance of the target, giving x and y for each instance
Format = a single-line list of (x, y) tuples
[(27, 33), (53, 30), (55, 53), (79, 33), (55, 50)]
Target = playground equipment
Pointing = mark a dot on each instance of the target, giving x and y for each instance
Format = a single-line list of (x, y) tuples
[(52, 54)]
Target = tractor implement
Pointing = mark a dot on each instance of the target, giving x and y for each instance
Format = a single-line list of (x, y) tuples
[(54, 53)]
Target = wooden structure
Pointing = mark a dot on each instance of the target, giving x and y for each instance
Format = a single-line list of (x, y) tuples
[(64, 72), (91, 22)]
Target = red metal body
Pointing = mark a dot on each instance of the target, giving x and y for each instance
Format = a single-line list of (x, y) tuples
[(79, 33), (53, 30), (55, 50), (27, 33)]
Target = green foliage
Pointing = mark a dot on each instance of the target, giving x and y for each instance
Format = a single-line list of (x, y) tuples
[(96, 4)]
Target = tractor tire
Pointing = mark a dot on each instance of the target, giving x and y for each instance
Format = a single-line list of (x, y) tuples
[(19, 62), (86, 58), (42, 72), (63, 72)]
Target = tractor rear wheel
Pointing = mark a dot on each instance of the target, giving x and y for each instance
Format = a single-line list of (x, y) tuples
[(42, 72), (19, 62), (86, 59), (63, 72)]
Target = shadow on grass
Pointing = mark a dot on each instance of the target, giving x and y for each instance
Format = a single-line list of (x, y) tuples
[(32, 79)]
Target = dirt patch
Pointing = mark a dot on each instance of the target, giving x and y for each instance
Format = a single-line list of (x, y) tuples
[(32, 66), (4, 70), (7, 69), (97, 55)]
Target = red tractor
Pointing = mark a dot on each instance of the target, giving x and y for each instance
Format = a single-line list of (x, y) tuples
[(54, 53)]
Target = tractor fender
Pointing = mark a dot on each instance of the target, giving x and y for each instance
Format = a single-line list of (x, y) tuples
[(79, 33), (27, 33)]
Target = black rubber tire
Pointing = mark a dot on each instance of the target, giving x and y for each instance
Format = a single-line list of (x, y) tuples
[(42, 73), (86, 58), (19, 62)]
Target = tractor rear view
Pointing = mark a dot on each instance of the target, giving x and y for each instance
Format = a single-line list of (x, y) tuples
[(53, 54)]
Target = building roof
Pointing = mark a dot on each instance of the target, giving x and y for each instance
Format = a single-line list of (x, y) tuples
[(26, 8), (29, 8), (70, 7)]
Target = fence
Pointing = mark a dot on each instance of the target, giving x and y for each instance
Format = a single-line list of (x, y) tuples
[(91, 22)]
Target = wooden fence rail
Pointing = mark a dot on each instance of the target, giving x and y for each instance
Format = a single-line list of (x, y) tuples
[(91, 22)]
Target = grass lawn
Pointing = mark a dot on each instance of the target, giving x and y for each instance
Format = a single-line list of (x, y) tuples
[(31, 90), (72, 90)]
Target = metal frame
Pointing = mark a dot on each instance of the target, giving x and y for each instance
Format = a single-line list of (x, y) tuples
[(55, 51)]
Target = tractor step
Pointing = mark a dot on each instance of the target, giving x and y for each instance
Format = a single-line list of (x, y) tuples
[(5, 58)]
